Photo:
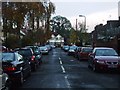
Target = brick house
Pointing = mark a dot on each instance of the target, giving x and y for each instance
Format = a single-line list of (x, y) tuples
[(107, 35)]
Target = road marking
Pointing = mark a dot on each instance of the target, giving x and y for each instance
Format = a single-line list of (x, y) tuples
[(66, 76), (63, 69), (61, 62), (59, 58), (71, 60), (66, 80)]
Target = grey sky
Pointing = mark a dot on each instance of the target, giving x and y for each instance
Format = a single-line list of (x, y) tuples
[(96, 11), (76, 8)]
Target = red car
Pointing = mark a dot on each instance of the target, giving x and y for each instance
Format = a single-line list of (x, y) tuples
[(84, 53), (103, 58)]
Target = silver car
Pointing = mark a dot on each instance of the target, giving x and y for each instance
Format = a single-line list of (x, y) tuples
[(43, 50)]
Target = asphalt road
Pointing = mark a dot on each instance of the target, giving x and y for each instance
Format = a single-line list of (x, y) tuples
[(59, 70)]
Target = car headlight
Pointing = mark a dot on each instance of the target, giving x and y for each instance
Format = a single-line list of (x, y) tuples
[(100, 62)]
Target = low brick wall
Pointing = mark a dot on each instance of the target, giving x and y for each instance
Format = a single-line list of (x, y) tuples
[(111, 43)]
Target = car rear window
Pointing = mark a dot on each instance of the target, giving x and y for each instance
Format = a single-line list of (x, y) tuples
[(7, 57), (25, 52)]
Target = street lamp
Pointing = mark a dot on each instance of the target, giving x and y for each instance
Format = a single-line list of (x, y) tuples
[(84, 21)]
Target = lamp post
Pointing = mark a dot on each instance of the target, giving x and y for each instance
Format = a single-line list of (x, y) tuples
[(84, 21), (82, 33)]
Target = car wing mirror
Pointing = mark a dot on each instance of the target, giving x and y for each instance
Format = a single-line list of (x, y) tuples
[(21, 59), (91, 54), (37, 53)]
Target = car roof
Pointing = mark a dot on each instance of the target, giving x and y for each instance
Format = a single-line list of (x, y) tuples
[(10, 52), (103, 48), (87, 47)]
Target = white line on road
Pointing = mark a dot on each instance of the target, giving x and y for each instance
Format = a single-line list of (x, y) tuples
[(66, 80), (66, 76), (59, 58), (63, 69), (60, 62)]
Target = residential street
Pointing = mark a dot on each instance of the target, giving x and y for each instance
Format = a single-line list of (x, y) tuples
[(59, 70)]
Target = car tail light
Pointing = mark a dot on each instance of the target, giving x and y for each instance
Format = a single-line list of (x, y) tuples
[(9, 68), (33, 58)]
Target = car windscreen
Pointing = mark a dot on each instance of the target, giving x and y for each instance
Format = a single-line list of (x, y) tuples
[(7, 56), (87, 50), (43, 48), (66, 46), (73, 47), (25, 52), (105, 52)]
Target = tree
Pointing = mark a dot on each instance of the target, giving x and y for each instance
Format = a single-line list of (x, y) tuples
[(61, 25), (50, 9), (15, 13), (73, 37), (13, 17)]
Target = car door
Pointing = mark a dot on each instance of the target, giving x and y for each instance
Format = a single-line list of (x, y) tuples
[(91, 58), (22, 64), (38, 55)]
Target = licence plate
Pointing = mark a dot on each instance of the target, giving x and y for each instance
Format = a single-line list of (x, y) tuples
[(112, 66)]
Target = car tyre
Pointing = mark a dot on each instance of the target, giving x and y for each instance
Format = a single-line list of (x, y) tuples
[(40, 62), (29, 74), (95, 69), (8, 85), (35, 67), (20, 83), (79, 58), (89, 66)]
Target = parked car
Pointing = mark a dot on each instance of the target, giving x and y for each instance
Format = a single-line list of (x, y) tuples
[(15, 66), (48, 47), (36, 53), (5, 80), (84, 52), (66, 48), (71, 50), (28, 54), (53, 46), (103, 58), (43, 50)]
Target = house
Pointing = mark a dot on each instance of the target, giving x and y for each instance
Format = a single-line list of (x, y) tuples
[(107, 35), (56, 40)]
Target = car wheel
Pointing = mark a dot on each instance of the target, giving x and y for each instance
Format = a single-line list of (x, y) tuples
[(21, 79), (35, 67), (95, 68), (8, 85), (29, 74), (79, 58), (89, 66), (40, 61)]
